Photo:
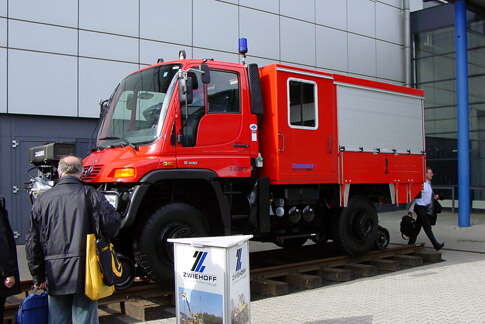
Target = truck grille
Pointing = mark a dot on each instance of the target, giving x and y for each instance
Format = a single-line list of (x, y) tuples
[(91, 172)]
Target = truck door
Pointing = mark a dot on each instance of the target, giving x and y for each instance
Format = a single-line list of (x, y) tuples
[(306, 138), (215, 122)]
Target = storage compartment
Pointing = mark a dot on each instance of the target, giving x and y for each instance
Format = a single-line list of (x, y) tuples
[(374, 120)]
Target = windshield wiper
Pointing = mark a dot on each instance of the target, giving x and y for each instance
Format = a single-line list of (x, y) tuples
[(124, 140)]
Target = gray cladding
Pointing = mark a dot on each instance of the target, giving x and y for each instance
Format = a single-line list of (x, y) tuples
[(93, 50), (17, 134)]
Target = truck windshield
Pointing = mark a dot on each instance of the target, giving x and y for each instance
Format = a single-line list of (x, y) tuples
[(138, 107)]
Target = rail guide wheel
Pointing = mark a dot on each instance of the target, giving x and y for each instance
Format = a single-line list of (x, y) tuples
[(356, 228)]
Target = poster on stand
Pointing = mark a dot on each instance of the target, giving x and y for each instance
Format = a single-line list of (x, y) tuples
[(212, 280)]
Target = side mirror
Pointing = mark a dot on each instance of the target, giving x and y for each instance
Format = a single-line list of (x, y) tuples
[(206, 75), (103, 108), (186, 90)]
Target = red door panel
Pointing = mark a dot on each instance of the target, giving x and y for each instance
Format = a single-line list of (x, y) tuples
[(218, 129), (223, 141), (307, 152)]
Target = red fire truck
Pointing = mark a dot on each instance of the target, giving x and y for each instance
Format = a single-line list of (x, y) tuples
[(203, 147)]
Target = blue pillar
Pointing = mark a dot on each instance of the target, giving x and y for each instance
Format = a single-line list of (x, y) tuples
[(462, 114)]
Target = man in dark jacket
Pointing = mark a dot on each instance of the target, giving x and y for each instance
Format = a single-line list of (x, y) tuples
[(56, 243), (9, 270)]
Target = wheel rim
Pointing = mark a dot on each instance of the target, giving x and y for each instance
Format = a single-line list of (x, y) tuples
[(362, 224), (175, 230), (382, 240)]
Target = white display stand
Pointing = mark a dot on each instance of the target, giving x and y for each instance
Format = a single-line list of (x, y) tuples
[(212, 279)]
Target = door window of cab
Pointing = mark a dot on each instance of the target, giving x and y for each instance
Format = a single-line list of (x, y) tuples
[(223, 92)]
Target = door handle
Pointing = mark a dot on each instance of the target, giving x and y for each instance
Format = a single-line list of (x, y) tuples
[(330, 144), (386, 170), (282, 147), (241, 145)]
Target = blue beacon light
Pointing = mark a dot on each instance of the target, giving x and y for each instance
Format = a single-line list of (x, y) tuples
[(243, 48)]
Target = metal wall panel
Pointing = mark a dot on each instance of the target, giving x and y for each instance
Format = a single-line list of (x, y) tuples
[(3, 8), (297, 41), (94, 86), (336, 17), (389, 23), (3, 80), (371, 119), (28, 132), (58, 12), (40, 37), (151, 51), (332, 49), (107, 46), (389, 61), (114, 16), (42, 84), (302, 9), (252, 23), (6, 165), (216, 55), (260, 61), (361, 17), (266, 5), (215, 25), (168, 21), (390, 81), (3, 32), (362, 55), (395, 3)]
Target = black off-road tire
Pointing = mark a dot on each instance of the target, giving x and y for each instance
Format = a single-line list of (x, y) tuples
[(356, 228), (152, 251)]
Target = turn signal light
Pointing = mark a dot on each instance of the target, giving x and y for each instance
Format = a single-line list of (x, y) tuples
[(124, 173)]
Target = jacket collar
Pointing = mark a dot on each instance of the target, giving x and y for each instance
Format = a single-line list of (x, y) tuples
[(69, 179)]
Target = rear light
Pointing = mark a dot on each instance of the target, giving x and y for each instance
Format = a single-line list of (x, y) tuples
[(124, 173)]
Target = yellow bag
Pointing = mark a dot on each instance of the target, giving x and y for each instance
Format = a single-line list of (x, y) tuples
[(94, 286)]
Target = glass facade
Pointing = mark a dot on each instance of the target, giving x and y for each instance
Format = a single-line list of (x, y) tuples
[(434, 72)]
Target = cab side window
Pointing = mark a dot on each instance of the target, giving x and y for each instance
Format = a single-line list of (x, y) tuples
[(197, 108), (302, 103), (223, 92)]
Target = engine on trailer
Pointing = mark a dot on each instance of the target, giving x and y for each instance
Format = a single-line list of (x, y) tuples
[(44, 159)]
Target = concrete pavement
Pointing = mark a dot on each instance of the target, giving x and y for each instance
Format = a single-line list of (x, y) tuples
[(449, 292)]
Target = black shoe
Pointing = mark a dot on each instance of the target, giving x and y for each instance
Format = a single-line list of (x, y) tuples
[(439, 246)]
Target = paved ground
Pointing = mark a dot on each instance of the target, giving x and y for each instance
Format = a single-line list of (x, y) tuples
[(448, 292)]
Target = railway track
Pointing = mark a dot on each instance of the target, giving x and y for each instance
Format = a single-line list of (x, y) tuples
[(273, 273)]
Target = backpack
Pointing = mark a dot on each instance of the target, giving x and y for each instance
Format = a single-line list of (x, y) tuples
[(34, 309), (408, 226)]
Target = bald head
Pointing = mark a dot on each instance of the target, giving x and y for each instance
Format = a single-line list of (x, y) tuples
[(70, 166)]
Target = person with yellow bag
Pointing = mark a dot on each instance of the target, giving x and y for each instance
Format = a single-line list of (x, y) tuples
[(65, 221)]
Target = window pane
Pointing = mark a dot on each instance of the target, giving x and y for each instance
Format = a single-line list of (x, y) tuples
[(308, 105), (136, 107), (302, 104), (223, 92), (196, 109), (295, 103)]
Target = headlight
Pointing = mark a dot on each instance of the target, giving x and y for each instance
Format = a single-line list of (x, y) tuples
[(112, 198)]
